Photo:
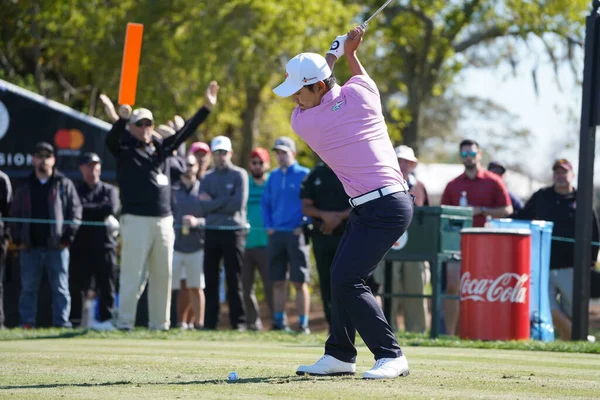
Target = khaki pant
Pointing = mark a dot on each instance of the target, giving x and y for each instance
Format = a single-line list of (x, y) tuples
[(147, 255), (410, 277)]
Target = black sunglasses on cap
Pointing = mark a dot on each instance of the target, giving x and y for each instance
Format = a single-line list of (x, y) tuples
[(144, 122)]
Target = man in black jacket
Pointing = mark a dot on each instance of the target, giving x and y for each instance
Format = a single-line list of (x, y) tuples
[(557, 203), (50, 199), (94, 254), (146, 217)]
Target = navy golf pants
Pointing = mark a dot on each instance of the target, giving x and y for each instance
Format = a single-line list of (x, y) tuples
[(372, 230)]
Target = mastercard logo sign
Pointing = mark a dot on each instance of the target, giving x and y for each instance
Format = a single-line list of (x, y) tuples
[(71, 139)]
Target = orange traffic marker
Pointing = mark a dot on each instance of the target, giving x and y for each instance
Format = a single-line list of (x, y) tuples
[(131, 63)]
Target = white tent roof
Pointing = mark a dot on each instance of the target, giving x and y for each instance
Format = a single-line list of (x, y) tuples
[(435, 177)]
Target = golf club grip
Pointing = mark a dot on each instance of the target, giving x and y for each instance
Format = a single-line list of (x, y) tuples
[(377, 12)]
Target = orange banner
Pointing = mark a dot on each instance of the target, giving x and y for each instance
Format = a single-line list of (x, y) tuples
[(131, 63)]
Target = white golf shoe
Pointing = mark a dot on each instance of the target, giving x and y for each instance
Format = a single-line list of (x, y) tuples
[(388, 368), (327, 366)]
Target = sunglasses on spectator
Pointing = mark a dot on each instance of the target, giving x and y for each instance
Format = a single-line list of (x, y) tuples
[(465, 154), (257, 163), (220, 152), (144, 122), (43, 155), (190, 165)]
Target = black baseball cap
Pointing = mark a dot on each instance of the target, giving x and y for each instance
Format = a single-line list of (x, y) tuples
[(87, 158), (43, 146), (496, 165)]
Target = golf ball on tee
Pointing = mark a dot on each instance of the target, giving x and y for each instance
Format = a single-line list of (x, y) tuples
[(233, 376)]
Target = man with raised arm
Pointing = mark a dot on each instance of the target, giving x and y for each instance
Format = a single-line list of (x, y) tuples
[(345, 126), (146, 216)]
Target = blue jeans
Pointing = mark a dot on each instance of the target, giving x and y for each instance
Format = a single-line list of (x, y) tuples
[(33, 262)]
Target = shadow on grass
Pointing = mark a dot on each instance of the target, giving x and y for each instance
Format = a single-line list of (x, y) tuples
[(64, 333), (274, 380)]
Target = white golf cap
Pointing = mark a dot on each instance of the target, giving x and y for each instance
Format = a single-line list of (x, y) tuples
[(304, 69), (406, 153), (220, 143), (139, 114)]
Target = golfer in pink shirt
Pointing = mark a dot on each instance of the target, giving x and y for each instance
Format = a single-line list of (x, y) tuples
[(345, 127)]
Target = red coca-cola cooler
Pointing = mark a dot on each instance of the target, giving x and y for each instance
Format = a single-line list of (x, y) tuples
[(494, 284)]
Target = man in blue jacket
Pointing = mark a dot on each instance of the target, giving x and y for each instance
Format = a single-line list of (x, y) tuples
[(282, 215)]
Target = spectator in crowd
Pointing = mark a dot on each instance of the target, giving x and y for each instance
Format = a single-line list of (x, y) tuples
[(557, 203), (146, 217), (408, 162), (5, 200), (189, 244), (94, 250), (411, 277), (185, 314), (499, 169), (174, 165), (48, 196), (201, 151), (326, 202), (223, 195), (282, 216), (486, 194), (255, 256)]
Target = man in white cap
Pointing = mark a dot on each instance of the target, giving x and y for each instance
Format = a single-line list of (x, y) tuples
[(410, 277), (224, 195), (408, 162), (341, 124)]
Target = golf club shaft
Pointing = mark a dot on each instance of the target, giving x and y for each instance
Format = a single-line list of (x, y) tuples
[(377, 12)]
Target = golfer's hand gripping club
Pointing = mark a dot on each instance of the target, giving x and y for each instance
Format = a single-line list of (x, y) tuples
[(337, 47)]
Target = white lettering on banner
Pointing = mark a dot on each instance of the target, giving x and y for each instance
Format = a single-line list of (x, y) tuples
[(508, 287), (4, 120), (16, 159)]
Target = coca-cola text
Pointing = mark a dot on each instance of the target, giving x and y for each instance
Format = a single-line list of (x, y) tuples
[(508, 287)]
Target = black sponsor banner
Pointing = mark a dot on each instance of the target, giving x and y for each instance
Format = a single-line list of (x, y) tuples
[(27, 118)]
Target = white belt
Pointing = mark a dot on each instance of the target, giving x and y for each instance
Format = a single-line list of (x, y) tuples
[(375, 194)]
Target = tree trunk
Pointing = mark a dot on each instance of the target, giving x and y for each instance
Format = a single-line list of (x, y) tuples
[(251, 119), (410, 135), (93, 101)]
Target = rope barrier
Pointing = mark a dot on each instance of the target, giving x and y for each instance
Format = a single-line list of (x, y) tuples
[(203, 227), (104, 224)]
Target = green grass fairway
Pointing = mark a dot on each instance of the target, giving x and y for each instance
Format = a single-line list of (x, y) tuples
[(170, 366)]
